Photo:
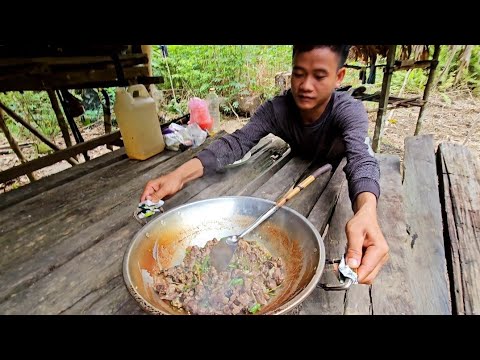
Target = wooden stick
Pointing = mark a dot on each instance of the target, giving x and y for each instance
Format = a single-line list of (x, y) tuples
[(107, 121), (383, 103), (14, 144), (428, 86), (61, 119), (33, 130), (7, 147)]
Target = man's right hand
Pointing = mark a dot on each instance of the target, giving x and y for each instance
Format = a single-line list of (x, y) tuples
[(166, 185), (173, 182)]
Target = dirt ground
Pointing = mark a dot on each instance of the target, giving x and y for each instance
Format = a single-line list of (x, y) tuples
[(453, 118)]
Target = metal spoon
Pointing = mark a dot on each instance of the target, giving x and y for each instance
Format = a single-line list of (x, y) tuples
[(222, 252)]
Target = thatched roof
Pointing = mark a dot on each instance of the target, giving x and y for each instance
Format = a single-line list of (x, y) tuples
[(365, 52)]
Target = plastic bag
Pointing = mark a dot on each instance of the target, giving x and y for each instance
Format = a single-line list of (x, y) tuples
[(188, 136), (199, 113)]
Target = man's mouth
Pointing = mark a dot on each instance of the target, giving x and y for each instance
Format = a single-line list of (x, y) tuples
[(305, 98)]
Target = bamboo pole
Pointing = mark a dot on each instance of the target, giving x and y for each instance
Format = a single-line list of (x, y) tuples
[(34, 131), (428, 86), (61, 119), (383, 103), (14, 145)]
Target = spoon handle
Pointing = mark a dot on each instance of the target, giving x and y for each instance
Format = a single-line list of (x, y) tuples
[(261, 219), (285, 198), (303, 184)]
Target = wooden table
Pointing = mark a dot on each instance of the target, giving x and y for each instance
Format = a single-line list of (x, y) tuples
[(63, 237)]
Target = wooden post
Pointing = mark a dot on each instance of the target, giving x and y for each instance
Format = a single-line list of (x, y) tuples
[(147, 50), (34, 131), (428, 86), (107, 115), (383, 103), (61, 120), (13, 144)]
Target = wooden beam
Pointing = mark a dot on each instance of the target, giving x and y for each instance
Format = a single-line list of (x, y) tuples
[(14, 145), (411, 64), (382, 105), (34, 131), (428, 86), (85, 78), (57, 156), (126, 60)]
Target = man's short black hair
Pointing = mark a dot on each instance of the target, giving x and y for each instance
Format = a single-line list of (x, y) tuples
[(341, 50)]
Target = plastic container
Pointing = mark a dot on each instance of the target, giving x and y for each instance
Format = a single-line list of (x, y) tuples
[(213, 102), (137, 119), (199, 113)]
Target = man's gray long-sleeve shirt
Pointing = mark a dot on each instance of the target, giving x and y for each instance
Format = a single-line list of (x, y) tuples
[(341, 130)]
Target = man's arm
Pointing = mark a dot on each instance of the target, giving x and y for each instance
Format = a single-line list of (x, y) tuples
[(233, 147), (367, 249), (362, 169), (173, 182), (221, 152)]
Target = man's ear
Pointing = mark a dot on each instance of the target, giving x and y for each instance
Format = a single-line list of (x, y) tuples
[(340, 76)]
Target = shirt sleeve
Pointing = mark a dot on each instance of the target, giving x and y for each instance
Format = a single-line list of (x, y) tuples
[(362, 169), (233, 147)]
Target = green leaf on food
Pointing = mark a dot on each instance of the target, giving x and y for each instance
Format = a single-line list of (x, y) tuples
[(255, 308)]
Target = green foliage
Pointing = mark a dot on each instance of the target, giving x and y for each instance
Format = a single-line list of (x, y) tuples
[(232, 70), (34, 107)]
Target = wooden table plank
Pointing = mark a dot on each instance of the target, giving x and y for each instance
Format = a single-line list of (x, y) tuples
[(111, 299), (283, 180), (323, 209), (428, 270), (321, 302), (32, 189), (391, 289), (74, 280), (57, 156), (460, 189)]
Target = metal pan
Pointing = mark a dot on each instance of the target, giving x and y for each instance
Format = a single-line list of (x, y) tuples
[(287, 234)]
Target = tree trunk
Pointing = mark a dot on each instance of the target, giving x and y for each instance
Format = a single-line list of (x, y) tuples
[(453, 50), (464, 62)]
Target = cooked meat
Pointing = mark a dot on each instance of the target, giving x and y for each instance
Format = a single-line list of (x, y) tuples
[(249, 282)]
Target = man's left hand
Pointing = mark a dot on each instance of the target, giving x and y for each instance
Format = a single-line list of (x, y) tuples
[(367, 249)]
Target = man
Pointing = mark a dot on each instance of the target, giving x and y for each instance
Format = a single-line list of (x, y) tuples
[(319, 124)]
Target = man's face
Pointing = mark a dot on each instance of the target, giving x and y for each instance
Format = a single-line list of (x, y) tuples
[(315, 75)]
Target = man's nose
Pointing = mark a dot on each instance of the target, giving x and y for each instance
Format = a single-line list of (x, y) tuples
[(307, 84)]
